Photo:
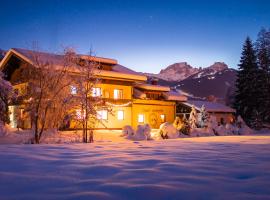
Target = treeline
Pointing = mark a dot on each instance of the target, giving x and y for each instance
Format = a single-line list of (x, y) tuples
[(252, 97)]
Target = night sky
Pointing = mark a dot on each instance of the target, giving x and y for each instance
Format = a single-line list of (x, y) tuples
[(143, 35)]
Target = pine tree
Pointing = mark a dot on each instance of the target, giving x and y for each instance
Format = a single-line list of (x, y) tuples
[(204, 117), (263, 55), (246, 84)]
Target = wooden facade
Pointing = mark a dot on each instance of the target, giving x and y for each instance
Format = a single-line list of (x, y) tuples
[(115, 87)]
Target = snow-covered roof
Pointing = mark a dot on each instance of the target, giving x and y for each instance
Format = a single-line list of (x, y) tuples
[(138, 94), (57, 60), (153, 87), (209, 106), (174, 96)]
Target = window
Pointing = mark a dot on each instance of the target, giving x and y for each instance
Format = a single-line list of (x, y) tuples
[(162, 118), (120, 115), (102, 114), (117, 94), (96, 92), (73, 89), (141, 118)]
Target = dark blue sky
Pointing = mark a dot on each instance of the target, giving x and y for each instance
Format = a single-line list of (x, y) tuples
[(143, 35)]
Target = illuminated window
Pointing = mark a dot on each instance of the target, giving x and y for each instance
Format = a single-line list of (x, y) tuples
[(140, 118), (162, 118), (96, 92), (102, 114), (73, 89), (120, 115), (117, 94)]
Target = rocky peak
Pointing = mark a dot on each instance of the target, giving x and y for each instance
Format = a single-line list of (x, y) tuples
[(218, 66)]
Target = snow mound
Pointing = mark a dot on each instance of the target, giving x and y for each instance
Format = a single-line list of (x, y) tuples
[(143, 132), (168, 131), (127, 132)]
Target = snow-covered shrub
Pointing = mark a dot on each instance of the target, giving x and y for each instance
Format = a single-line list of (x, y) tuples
[(143, 132), (139, 134), (181, 125), (212, 125), (147, 131), (221, 130), (199, 132), (242, 127), (193, 118), (168, 131), (230, 129), (128, 131), (203, 117)]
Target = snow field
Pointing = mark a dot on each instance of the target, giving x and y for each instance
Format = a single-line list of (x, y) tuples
[(225, 167)]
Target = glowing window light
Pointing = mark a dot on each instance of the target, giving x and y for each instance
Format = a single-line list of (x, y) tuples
[(162, 118), (120, 115), (141, 118), (73, 89), (117, 94), (96, 92), (102, 114)]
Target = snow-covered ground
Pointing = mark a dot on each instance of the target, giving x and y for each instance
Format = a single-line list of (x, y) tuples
[(223, 167)]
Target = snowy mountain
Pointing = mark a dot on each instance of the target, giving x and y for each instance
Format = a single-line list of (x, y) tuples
[(219, 83), (175, 72), (211, 70), (217, 80)]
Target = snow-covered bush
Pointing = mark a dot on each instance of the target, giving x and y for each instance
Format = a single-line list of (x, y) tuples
[(212, 125), (203, 117), (128, 131), (242, 127), (221, 130), (199, 132), (230, 129), (143, 132), (168, 131), (181, 125)]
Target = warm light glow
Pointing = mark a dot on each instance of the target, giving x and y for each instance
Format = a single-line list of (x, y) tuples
[(141, 118), (102, 114), (162, 118), (118, 105), (117, 94), (120, 115), (73, 89), (96, 92)]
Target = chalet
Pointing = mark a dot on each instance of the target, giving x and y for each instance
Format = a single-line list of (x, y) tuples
[(223, 114), (133, 101)]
